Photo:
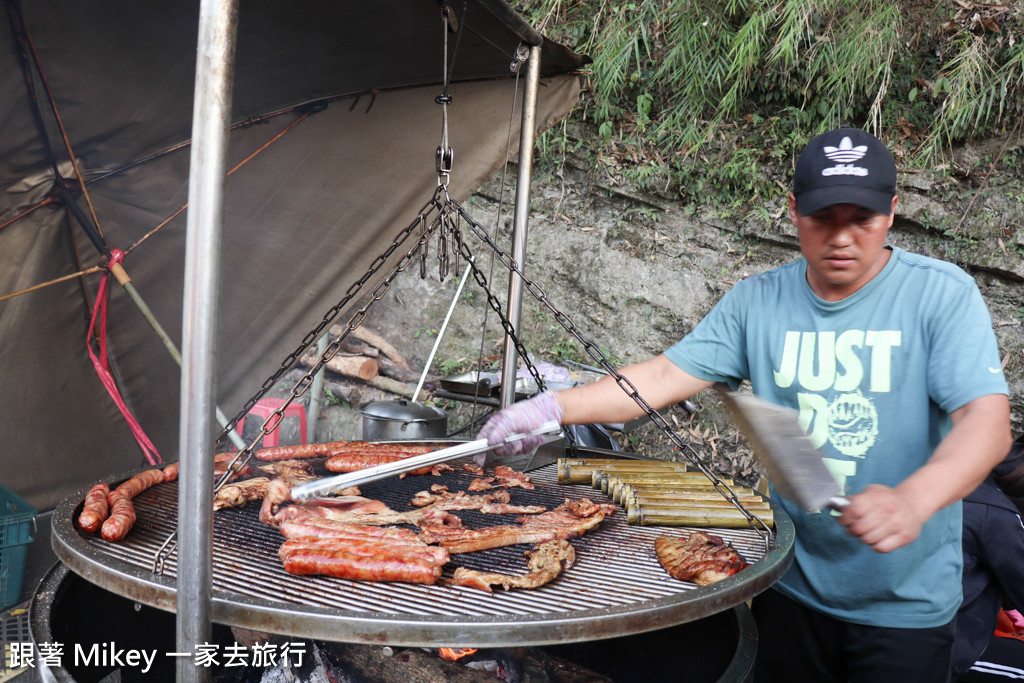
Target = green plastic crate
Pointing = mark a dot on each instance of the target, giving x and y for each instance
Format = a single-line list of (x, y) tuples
[(17, 521)]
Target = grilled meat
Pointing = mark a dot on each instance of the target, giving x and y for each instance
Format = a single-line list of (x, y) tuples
[(569, 520), (121, 519), (544, 561), (492, 503), (331, 558), (700, 557), (221, 463), (506, 477), (321, 527), (241, 492), (95, 509)]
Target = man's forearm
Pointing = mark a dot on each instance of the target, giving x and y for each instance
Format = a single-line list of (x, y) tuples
[(979, 441), (659, 381)]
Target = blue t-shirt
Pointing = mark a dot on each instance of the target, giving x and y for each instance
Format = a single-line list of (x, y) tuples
[(874, 378)]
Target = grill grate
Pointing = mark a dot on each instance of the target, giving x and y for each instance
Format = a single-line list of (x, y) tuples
[(616, 577)]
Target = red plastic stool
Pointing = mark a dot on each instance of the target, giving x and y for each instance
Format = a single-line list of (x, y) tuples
[(266, 407)]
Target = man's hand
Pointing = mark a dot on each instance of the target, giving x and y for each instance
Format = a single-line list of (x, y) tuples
[(883, 518), (519, 418)]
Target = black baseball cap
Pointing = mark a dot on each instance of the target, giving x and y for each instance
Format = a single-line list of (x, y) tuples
[(845, 166)]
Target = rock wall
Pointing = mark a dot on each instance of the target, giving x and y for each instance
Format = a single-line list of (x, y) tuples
[(635, 272)]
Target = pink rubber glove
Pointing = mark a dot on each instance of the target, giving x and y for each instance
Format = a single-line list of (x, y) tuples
[(518, 418)]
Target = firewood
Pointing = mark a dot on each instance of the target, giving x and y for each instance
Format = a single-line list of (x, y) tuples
[(354, 347), (371, 337), (395, 387), (395, 371)]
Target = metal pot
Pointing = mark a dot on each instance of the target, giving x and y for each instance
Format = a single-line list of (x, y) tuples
[(403, 420)]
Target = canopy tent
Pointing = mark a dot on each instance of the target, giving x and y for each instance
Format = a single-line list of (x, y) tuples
[(335, 133)]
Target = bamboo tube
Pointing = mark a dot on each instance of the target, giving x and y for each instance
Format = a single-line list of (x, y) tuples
[(608, 479), (584, 472), (600, 479), (667, 496), (626, 491), (694, 517), (671, 503), (610, 482), (685, 487)]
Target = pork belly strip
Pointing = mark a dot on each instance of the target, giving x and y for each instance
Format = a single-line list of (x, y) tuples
[(279, 491), (700, 557), (544, 563), (559, 524), (369, 515), (375, 547), (507, 477), (300, 559), (95, 509), (328, 528)]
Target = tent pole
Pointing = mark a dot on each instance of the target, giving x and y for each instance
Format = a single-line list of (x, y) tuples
[(122, 277), (519, 225), (211, 114)]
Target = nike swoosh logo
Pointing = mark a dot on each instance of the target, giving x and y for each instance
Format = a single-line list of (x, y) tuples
[(995, 371)]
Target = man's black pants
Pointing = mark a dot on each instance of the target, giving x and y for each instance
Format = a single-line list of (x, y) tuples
[(798, 645)]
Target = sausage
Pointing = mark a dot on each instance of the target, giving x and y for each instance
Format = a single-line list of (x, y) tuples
[(95, 509), (301, 559), (137, 484), (344, 462), (373, 448), (122, 517), (305, 450), (122, 509), (171, 471)]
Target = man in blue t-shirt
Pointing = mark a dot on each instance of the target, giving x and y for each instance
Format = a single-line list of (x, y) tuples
[(892, 363)]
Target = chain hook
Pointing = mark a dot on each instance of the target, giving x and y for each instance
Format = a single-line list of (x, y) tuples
[(522, 54), (444, 158)]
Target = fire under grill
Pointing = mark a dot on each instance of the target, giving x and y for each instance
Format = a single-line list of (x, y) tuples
[(616, 586)]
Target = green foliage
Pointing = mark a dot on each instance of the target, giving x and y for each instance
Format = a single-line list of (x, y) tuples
[(332, 399), (706, 93), (452, 366)]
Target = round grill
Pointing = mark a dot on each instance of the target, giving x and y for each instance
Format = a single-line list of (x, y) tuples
[(616, 587)]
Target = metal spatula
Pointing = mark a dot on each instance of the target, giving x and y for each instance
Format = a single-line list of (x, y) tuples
[(329, 485), (794, 465)]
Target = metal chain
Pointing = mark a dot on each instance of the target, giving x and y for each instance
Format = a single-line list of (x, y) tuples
[(313, 335), (571, 443), (495, 305), (302, 385), (599, 357)]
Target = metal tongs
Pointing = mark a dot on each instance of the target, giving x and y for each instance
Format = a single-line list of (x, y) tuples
[(330, 485)]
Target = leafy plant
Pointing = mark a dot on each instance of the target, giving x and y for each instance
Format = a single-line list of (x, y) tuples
[(701, 96)]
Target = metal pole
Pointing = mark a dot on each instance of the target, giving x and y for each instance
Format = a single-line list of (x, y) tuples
[(211, 115), (316, 393), (519, 225), (440, 333), (147, 313)]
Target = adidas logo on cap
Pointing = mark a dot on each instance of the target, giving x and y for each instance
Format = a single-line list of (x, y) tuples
[(844, 155)]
